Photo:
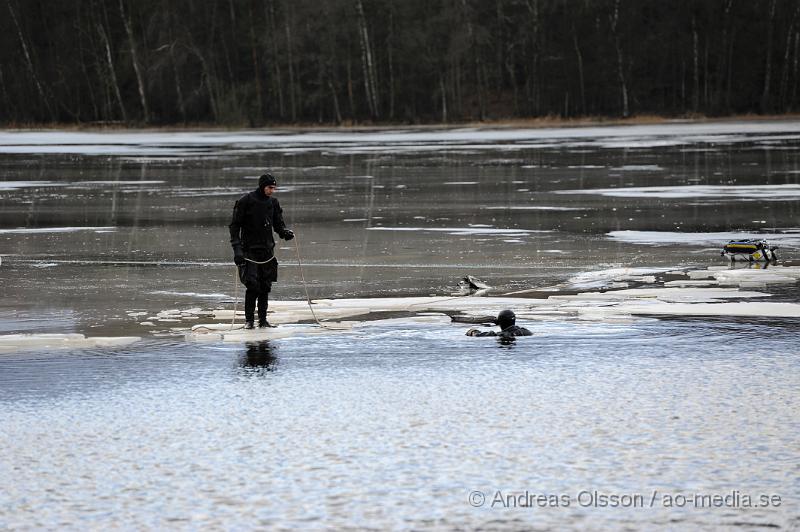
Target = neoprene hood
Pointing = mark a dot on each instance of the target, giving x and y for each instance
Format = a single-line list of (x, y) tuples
[(266, 180)]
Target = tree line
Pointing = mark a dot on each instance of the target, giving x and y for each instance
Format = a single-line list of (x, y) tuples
[(261, 62)]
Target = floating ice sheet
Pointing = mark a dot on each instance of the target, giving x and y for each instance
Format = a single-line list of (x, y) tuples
[(226, 333), (56, 229), (599, 278), (789, 237), (82, 184), (741, 192), (198, 143), (638, 168), (10, 343), (738, 309), (461, 231), (714, 298), (14, 185), (199, 295), (533, 208)]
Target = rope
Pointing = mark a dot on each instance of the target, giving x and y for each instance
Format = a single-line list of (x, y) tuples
[(305, 287), (302, 277), (235, 293), (263, 262)]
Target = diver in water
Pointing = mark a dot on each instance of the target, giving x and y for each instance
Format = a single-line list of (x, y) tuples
[(508, 328), (255, 216)]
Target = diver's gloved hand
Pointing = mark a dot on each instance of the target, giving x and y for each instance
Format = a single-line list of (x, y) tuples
[(238, 256), (472, 332), (287, 234)]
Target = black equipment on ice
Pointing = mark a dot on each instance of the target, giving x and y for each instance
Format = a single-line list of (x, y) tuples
[(472, 286), (750, 250)]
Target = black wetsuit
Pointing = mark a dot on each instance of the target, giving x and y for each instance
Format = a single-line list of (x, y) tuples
[(255, 217), (508, 332)]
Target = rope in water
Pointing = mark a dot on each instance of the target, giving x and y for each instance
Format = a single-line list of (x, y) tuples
[(235, 293)]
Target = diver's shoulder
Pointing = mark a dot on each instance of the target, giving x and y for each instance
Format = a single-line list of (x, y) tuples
[(244, 198), (522, 331)]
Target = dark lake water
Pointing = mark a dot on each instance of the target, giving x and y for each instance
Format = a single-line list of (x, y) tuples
[(403, 425)]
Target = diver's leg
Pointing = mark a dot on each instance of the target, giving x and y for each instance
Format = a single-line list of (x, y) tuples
[(263, 304), (249, 307)]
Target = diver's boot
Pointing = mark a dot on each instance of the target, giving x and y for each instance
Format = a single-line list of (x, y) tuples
[(262, 321), (263, 305), (249, 325)]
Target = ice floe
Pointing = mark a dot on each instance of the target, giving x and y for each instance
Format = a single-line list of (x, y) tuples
[(722, 293), (742, 192), (211, 143), (462, 231), (532, 208), (615, 295), (192, 294), (15, 185), (10, 343), (788, 237), (226, 333), (638, 168), (610, 307), (738, 309), (600, 278), (56, 229), (81, 184)]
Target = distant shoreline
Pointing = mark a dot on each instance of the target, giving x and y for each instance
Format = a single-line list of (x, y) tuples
[(517, 123)]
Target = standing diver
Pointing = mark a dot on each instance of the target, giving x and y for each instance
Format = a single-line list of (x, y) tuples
[(255, 216), (508, 328)]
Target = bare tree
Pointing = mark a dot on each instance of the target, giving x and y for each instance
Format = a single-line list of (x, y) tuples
[(368, 63), (135, 59), (6, 103), (768, 60), (112, 71), (793, 98), (290, 61), (276, 77), (256, 66), (695, 67), (579, 56), (787, 59), (623, 86), (533, 66), (29, 62)]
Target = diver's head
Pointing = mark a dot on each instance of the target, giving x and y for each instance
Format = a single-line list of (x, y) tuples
[(267, 184), (506, 319)]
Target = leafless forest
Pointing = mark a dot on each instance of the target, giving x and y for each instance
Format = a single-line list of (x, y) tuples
[(261, 62)]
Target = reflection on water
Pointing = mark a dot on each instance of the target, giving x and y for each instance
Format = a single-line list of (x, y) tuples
[(259, 358), (420, 415)]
